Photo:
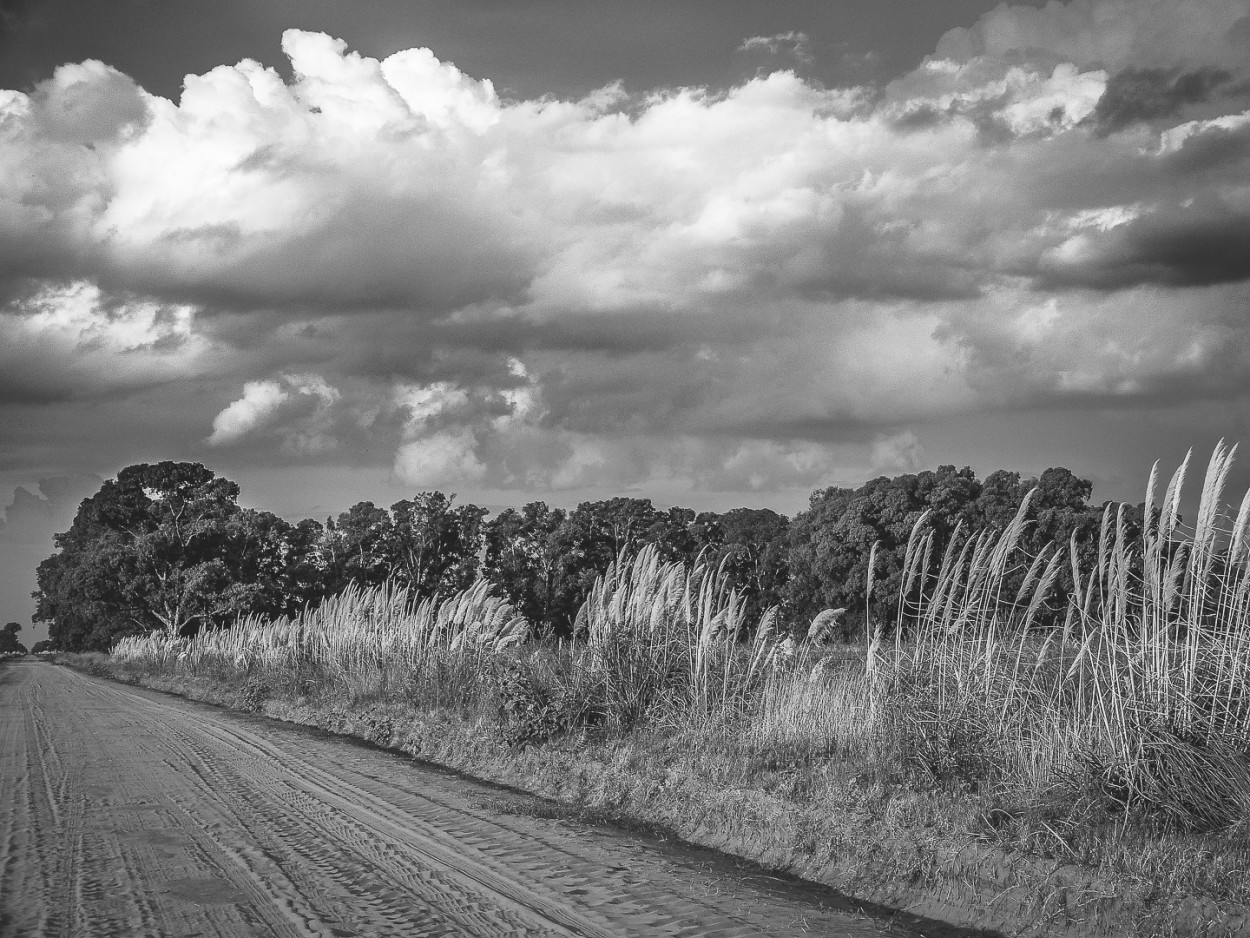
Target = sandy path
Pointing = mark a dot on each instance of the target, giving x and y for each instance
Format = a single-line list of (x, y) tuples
[(127, 813)]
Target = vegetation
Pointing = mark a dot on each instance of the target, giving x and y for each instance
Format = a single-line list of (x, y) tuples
[(1032, 676), (9, 645), (166, 546), (1078, 701)]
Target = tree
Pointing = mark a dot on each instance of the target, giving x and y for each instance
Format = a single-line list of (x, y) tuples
[(433, 544), (831, 543), (162, 546), (355, 546), (523, 556), (547, 559), (9, 645), (752, 548)]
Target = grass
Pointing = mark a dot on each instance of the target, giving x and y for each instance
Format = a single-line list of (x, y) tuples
[(994, 732)]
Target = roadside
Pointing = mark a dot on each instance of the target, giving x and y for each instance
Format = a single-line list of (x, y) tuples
[(882, 845), (128, 812)]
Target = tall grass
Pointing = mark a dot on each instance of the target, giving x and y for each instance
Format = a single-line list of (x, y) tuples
[(663, 640), (1139, 701), (359, 641)]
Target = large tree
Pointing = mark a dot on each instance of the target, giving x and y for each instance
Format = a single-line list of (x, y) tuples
[(162, 546), (831, 543), (427, 543), (9, 645)]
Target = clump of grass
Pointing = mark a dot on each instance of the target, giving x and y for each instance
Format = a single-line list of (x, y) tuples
[(662, 642), (362, 643), (1139, 704)]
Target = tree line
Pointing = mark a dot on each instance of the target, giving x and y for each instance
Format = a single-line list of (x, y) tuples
[(167, 546)]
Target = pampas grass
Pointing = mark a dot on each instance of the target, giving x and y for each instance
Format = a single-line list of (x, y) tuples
[(1142, 698)]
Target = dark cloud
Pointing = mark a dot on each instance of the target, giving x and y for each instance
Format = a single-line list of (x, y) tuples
[(1196, 246), (13, 13), (923, 117), (1138, 95), (1214, 150), (32, 516)]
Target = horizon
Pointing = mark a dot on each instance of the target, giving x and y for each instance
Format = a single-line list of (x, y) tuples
[(544, 255)]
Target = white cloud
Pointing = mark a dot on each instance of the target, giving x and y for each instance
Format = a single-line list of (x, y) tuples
[(897, 453), (70, 340), (276, 405), (445, 458), (260, 401), (1111, 33)]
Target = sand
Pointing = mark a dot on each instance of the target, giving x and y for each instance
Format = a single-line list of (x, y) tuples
[(125, 812)]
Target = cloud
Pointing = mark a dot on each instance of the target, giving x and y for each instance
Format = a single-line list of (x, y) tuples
[(260, 401), (384, 262), (72, 340), (296, 408), (897, 453), (1195, 244), (33, 516), (793, 43), (1112, 34), (1135, 95), (446, 458)]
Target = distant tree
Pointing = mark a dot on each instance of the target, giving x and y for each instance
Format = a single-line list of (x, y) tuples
[(433, 544), (547, 559), (523, 556), (355, 547), (830, 544), (752, 548), (42, 647), (9, 645)]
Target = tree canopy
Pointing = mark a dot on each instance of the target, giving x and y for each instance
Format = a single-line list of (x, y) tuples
[(167, 546), (9, 645), (162, 546)]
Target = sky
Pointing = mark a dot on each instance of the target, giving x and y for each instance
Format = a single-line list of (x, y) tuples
[(712, 252)]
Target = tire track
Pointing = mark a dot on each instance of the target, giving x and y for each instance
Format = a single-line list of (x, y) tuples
[(124, 812)]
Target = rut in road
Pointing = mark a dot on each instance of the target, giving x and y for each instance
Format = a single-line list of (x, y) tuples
[(126, 813)]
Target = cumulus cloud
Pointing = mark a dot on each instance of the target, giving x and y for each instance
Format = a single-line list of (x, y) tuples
[(728, 288), (297, 408), (260, 401)]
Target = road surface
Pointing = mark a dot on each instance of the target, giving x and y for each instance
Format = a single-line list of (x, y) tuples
[(124, 812)]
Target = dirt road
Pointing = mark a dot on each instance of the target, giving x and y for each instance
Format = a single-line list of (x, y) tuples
[(128, 813)]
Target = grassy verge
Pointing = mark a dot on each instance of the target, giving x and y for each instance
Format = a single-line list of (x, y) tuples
[(939, 850)]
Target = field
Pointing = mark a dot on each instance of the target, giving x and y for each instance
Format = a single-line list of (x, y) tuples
[(997, 754)]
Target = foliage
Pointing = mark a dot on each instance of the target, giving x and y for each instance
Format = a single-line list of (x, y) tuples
[(427, 543), (1106, 723), (830, 543), (9, 645), (524, 558), (547, 559), (1142, 700), (163, 546)]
